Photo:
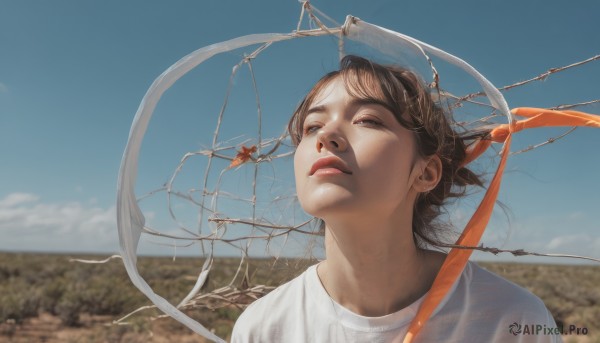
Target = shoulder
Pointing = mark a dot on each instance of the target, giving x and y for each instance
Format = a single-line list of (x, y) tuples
[(507, 295), (269, 316), (485, 307), (282, 296), (479, 293)]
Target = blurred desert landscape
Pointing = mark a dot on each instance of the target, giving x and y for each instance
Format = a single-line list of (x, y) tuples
[(49, 298)]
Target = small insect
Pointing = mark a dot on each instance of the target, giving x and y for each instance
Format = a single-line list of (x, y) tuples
[(242, 156)]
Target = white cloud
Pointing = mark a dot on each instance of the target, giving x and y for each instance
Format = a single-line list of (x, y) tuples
[(574, 244), (29, 224), (569, 233), (15, 199), (577, 215)]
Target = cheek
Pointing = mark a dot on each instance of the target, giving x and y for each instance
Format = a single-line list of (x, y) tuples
[(301, 169), (296, 164), (299, 164), (387, 166)]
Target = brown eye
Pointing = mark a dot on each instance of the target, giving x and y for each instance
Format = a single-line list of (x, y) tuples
[(309, 129), (368, 121)]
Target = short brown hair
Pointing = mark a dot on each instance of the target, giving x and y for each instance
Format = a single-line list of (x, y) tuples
[(405, 95)]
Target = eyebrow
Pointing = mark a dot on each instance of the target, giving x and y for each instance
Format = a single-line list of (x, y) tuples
[(354, 103)]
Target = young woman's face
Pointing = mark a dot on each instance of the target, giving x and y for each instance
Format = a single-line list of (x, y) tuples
[(376, 155)]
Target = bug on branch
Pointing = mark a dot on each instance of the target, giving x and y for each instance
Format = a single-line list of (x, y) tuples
[(242, 156)]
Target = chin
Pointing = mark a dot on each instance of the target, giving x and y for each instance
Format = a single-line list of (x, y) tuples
[(325, 205)]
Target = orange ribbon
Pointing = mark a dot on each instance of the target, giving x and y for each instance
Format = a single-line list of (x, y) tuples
[(538, 117), (457, 258)]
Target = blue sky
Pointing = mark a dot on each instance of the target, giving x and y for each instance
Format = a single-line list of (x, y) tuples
[(72, 74)]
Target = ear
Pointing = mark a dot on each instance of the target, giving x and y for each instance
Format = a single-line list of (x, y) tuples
[(431, 174)]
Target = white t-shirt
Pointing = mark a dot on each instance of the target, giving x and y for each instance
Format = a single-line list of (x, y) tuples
[(480, 307)]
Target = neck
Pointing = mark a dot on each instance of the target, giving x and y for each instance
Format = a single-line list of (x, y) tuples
[(376, 270)]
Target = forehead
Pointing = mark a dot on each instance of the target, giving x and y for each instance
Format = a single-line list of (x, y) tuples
[(330, 91), (361, 85)]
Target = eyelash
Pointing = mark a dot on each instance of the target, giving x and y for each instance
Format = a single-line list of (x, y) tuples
[(371, 122)]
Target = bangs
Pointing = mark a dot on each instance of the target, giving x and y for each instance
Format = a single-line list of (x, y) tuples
[(364, 82), (367, 81)]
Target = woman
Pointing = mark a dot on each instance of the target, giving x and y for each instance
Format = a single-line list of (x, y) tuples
[(375, 160)]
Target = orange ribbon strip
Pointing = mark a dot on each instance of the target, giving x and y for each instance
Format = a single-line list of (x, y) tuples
[(457, 258), (538, 117)]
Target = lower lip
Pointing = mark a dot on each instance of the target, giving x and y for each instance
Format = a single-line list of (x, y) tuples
[(328, 171)]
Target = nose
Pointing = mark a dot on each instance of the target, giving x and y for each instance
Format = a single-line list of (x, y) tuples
[(331, 139)]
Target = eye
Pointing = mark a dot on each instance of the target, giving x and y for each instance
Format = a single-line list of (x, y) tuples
[(368, 121), (309, 129)]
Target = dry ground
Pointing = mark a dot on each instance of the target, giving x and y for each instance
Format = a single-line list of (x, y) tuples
[(46, 298)]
